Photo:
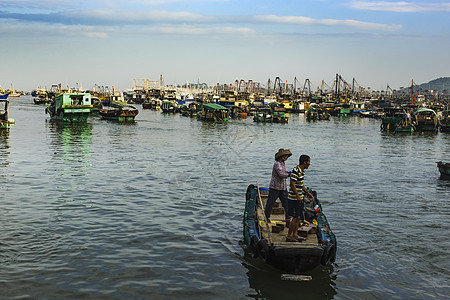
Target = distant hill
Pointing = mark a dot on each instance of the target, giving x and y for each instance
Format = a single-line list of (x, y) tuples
[(440, 84)]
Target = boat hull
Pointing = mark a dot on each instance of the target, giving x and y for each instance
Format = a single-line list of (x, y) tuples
[(118, 115), (444, 169)]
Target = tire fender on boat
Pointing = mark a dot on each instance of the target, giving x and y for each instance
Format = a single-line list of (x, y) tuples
[(327, 254), (333, 254), (253, 246), (263, 249)]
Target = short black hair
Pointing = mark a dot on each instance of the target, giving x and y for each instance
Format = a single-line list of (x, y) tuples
[(303, 158)]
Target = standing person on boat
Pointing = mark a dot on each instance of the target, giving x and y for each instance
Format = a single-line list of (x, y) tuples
[(277, 186), (296, 192)]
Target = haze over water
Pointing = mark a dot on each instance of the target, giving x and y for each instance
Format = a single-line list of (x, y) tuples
[(153, 210)]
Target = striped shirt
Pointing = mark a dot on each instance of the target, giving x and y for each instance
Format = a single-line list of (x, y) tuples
[(297, 176)]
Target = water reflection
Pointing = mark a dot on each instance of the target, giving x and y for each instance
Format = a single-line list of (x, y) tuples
[(267, 284), (4, 153), (71, 146)]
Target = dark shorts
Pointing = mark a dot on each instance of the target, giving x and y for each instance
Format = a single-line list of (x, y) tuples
[(295, 209)]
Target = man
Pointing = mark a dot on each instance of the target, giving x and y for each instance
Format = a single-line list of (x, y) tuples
[(277, 186), (295, 198)]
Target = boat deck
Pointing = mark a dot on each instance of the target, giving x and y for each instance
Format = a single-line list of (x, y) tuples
[(277, 219)]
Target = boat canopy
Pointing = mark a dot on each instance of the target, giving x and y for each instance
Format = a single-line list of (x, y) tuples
[(424, 109), (214, 106)]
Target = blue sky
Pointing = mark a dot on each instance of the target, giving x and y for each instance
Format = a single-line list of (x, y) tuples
[(218, 41)]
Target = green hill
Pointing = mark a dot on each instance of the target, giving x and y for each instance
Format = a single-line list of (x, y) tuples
[(440, 84)]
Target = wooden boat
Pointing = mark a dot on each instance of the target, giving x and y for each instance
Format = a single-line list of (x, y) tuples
[(280, 117), (312, 113), (70, 107), (169, 106), (425, 119), (4, 96), (41, 98), (324, 115), (444, 120), (213, 112), (266, 240), (392, 118), (405, 127), (444, 169), (263, 115), (5, 121), (119, 111)]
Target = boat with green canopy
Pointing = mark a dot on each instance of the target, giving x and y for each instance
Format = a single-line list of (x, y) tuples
[(70, 107), (213, 112)]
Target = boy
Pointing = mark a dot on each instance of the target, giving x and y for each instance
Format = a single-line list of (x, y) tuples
[(295, 198)]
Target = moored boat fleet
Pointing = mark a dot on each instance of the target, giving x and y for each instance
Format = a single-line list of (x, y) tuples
[(270, 104)]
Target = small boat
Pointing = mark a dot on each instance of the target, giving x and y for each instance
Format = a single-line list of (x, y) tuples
[(41, 98), (444, 120), (393, 116), (266, 240), (168, 106), (444, 169), (263, 115), (280, 117), (213, 112), (425, 119), (4, 96), (312, 113), (405, 127), (324, 115), (70, 107), (119, 111), (5, 121)]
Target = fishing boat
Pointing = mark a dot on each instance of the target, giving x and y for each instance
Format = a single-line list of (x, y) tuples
[(119, 111), (312, 113), (393, 116), (425, 119), (407, 127), (5, 121), (263, 115), (213, 112), (444, 121), (70, 107), (324, 115), (41, 98), (265, 239), (169, 106), (280, 117), (444, 169), (4, 96)]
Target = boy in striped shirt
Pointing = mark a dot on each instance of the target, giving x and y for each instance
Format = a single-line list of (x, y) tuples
[(295, 197)]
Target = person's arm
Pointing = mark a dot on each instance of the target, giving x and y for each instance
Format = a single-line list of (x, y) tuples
[(281, 170), (307, 192)]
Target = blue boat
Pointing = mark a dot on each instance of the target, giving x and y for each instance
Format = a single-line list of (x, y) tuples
[(4, 96), (265, 240)]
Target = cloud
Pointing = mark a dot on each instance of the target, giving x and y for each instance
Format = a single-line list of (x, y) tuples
[(402, 6), (326, 22), (147, 17), (16, 28)]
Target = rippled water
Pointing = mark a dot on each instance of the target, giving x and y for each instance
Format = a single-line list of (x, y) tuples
[(153, 210)]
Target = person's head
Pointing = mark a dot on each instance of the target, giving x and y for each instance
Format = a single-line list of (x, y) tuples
[(304, 161), (283, 154)]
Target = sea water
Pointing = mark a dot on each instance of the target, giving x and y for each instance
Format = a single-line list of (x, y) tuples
[(153, 209)]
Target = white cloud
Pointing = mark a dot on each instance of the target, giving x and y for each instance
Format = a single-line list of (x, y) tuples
[(326, 22), (401, 6), (194, 30)]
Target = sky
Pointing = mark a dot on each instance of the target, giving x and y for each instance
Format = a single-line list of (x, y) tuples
[(112, 42)]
